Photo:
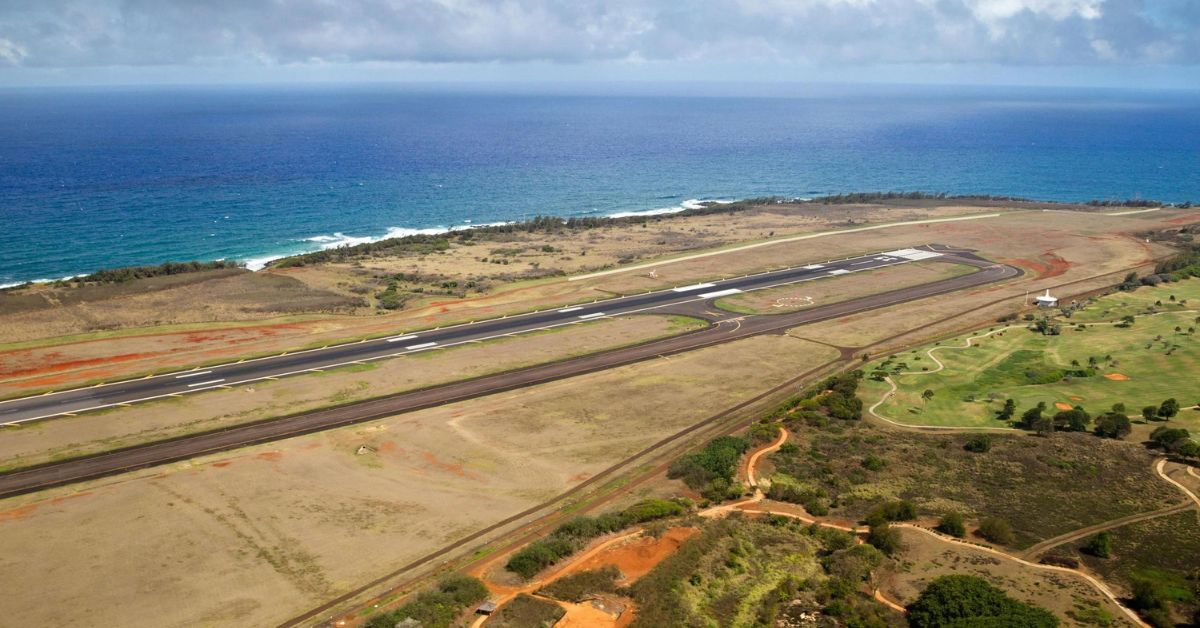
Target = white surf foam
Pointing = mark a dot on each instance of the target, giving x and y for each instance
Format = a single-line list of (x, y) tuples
[(691, 203)]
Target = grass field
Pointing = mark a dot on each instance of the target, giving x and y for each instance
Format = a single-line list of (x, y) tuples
[(1139, 365), (826, 290)]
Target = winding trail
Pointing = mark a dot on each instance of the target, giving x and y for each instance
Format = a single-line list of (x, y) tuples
[(758, 499), (1075, 535), (940, 366)]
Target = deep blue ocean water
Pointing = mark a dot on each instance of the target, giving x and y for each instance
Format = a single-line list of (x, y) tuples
[(103, 178)]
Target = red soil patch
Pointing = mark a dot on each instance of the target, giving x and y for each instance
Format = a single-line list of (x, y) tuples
[(387, 447), (1116, 377), (1050, 265), (1183, 220), (637, 557), (579, 478), (455, 468), (1076, 398), (18, 513), (1062, 406), (222, 464), (74, 364), (63, 498), (270, 456)]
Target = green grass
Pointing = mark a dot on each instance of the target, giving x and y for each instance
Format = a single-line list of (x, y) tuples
[(1029, 368)]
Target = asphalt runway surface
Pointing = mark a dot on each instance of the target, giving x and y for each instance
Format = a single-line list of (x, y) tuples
[(686, 299)]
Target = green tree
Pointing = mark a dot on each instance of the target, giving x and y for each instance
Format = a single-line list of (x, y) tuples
[(996, 530), (1100, 545), (884, 538), (1006, 413), (1032, 415), (1168, 408), (952, 523), (1113, 425), (1150, 413), (963, 601)]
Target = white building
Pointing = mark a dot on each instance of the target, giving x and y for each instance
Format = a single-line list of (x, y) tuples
[(1046, 300)]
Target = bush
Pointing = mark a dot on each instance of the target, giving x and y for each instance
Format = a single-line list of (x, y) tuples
[(1112, 425), (952, 524), (873, 463), (884, 538), (574, 534), (892, 511), (437, 608), (711, 470), (579, 586), (978, 444), (996, 530), (1100, 545), (962, 601)]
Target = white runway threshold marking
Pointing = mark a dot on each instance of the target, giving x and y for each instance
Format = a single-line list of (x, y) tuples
[(592, 315), (567, 310), (912, 254), (720, 293), (423, 345), (192, 374), (214, 381), (399, 338), (695, 286)]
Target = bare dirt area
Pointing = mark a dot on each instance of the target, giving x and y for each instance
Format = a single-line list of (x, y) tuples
[(834, 289), (1067, 595), (259, 535), (635, 557), (120, 427)]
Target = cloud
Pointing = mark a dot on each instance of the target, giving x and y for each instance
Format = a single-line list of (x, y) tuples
[(111, 33)]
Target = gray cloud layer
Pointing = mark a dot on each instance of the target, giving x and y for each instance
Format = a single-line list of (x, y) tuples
[(92, 33)]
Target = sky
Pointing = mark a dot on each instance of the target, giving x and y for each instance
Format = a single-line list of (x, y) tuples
[(1103, 43)]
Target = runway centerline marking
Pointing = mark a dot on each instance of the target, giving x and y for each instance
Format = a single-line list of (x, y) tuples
[(592, 315), (208, 383), (695, 286), (568, 310), (720, 293), (192, 374), (399, 338), (423, 345)]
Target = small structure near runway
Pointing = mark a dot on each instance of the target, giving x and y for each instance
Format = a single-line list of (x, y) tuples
[(1046, 300)]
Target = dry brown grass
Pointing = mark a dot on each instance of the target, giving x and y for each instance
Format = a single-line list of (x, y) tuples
[(925, 558), (834, 289), (256, 536), (120, 427)]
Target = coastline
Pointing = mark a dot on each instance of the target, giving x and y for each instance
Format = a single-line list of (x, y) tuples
[(340, 240)]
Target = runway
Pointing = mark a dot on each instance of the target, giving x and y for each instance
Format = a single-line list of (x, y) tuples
[(679, 299)]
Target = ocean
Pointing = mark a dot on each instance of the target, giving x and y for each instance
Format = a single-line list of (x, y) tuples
[(100, 178)]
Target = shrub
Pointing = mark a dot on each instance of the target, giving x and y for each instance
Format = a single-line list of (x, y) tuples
[(578, 586), (996, 530), (873, 463), (711, 470), (1100, 545), (892, 511), (961, 601), (884, 538), (437, 608), (952, 523), (978, 444)]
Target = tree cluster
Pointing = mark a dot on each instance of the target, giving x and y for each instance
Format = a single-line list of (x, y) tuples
[(960, 601)]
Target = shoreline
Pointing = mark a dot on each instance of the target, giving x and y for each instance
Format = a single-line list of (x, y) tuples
[(339, 240)]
